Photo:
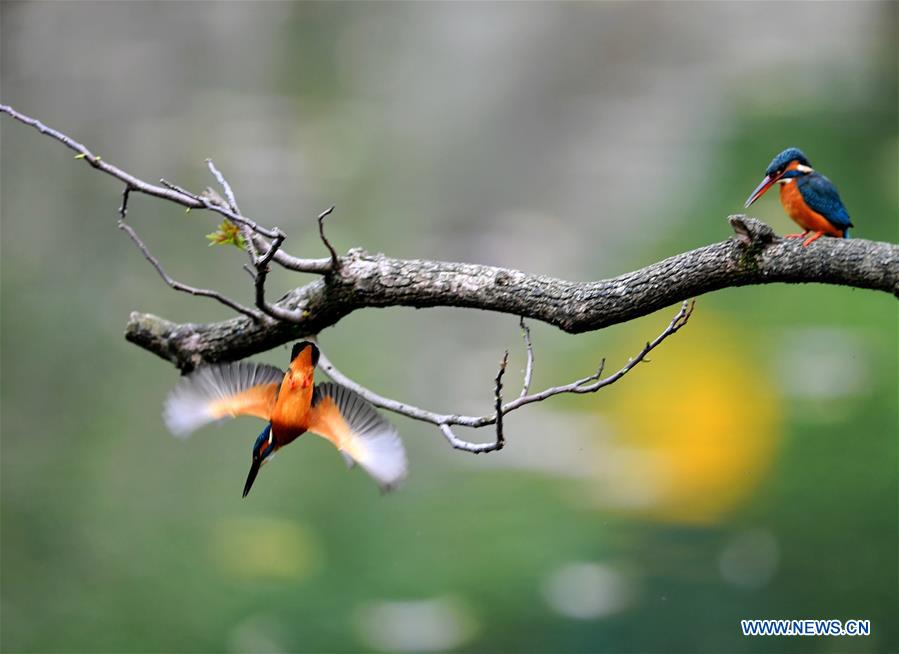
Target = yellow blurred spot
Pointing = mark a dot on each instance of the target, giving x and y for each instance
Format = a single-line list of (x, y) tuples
[(262, 547), (697, 427)]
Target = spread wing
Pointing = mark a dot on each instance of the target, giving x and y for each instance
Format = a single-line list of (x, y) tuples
[(821, 195), (214, 392), (359, 432)]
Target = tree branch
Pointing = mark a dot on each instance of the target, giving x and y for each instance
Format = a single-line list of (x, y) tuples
[(589, 384), (169, 192), (361, 280), (445, 422), (175, 284), (754, 256)]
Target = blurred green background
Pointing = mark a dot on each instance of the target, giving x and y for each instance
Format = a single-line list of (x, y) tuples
[(749, 471)]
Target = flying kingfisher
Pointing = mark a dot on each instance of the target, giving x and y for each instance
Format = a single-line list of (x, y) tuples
[(808, 197), (292, 404)]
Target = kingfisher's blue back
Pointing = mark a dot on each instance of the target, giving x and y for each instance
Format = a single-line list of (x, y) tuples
[(821, 195)]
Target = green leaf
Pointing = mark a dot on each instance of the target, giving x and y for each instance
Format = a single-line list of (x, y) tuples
[(227, 234)]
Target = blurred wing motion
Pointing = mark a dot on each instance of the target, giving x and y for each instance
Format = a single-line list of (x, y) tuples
[(359, 432), (224, 391)]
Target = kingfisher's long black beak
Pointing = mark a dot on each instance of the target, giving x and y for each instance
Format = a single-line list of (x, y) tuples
[(254, 470), (763, 186)]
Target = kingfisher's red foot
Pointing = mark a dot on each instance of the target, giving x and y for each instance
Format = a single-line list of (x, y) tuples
[(802, 235), (813, 237)]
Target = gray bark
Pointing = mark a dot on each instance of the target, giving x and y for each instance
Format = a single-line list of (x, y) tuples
[(753, 256)]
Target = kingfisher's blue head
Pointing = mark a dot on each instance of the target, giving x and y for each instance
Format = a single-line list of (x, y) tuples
[(263, 449), (790, 163), (781, 162)]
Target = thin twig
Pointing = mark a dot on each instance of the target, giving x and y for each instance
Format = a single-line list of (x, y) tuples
[(260, 275), (178, 286), (466, 446), (260, 270), (500, 440), (250, 244), (529, 368), (266, 258), (123, 208), (170, 192), (445, 421), (498, 403), (96, 161), (598, 382), (227, 208), (335, 260), (183, 191), (226, 187), (182, 196)]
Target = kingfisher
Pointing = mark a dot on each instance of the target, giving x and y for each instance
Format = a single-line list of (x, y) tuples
[(808, 197), (291, 404)]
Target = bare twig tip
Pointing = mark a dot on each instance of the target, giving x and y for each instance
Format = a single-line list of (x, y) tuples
[(335, 260)]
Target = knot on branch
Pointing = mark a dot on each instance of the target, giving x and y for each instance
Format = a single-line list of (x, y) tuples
[(751, 232), (355, 255)]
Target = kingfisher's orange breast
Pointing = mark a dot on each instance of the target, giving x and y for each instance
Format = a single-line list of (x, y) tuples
[(796, 208), (290, 417)]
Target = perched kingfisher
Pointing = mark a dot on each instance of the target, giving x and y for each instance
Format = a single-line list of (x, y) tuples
[(292, 404), (808, 197)]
